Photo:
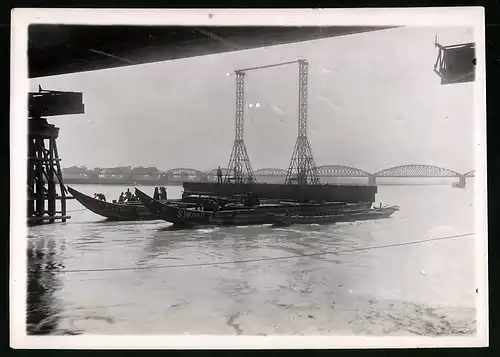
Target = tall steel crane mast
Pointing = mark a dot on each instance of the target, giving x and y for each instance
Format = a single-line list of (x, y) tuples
[(302, 161), (239, 169), (302, 166)]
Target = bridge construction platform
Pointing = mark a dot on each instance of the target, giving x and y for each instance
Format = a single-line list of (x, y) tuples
[(330, 193)]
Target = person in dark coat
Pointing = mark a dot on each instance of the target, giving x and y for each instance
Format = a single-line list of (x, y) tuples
[(219, 175), (163, 193), (156, 194)]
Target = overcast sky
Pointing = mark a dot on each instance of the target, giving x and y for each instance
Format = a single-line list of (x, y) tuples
[(374, 102)]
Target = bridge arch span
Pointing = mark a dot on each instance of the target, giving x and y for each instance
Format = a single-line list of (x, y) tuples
[(270, 172), (186, 171), (470, 174), (416, 171), (341, 171)]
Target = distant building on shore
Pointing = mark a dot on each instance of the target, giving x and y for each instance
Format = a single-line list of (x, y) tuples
[(76, 173), (128, 175), (144, 174), (114, 173)]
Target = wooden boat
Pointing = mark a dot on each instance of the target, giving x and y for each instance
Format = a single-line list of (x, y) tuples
[(238, 215), (128, 211), (169, 213), (346, 216)]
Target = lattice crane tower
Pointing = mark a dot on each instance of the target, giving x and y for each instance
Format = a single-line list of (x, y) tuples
[(302, 162), (239, 168), (302, 166)]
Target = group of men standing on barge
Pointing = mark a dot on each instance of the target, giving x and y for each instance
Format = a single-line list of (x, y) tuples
[(160, 193)]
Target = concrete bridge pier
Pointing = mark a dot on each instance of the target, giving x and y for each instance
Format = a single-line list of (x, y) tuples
[(461, 181), (372, 180)]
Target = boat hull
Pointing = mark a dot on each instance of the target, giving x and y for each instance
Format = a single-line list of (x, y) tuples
[(372, 214), (114, 211), (243, 216)]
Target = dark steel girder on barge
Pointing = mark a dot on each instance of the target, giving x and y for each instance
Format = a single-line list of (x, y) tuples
[(61, 49), (318, 193)]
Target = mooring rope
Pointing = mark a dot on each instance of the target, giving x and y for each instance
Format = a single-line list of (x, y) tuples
[(270, 258)]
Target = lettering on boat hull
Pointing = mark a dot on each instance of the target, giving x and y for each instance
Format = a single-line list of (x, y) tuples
[(112, 209), (186, 215)]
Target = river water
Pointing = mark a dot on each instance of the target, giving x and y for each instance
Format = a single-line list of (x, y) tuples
[(89, 276)]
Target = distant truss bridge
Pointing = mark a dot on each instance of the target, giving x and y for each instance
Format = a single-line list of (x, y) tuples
[(403, 171)]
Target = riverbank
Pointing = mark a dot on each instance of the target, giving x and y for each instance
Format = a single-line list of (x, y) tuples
[(68, 181)]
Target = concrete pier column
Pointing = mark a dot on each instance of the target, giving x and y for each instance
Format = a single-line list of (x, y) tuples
[(372, 180), (461, 181)]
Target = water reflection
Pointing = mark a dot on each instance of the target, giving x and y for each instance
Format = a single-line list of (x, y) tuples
[(42, 308)]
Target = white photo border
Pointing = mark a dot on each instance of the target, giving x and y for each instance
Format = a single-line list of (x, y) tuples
[(472, 17)]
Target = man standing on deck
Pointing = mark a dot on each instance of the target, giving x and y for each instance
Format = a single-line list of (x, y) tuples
[(128, 195), (219, 175), (163, 193)]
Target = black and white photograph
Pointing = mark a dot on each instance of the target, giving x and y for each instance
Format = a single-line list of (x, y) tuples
[(310, 178)]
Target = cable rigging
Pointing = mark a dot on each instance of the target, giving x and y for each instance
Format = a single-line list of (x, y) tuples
[(191, 265)]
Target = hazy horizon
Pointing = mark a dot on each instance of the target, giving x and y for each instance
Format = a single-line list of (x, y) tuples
[(374, 103)]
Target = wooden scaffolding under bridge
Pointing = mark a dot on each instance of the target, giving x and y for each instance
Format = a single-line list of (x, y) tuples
[(45, 182)]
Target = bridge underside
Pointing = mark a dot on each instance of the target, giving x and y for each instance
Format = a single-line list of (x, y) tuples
[(61, 49)]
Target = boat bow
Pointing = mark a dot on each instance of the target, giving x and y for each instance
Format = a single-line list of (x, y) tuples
[(176, 215)]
